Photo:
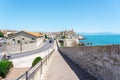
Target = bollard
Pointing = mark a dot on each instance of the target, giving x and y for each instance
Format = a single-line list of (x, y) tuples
[(26, 75)]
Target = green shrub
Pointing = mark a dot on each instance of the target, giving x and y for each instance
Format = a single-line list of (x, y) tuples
[(36, 60), (46, 36), (5, 65)]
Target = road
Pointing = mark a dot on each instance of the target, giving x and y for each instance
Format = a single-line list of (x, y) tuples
[(28, 53)]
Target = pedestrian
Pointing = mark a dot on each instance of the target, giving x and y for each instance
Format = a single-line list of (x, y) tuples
[(4, 55)]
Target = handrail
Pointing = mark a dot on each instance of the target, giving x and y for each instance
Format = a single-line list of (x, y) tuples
[(31, 72)]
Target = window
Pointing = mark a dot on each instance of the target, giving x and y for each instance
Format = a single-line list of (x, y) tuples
[(33, 38), (18, 41), (13, 39)]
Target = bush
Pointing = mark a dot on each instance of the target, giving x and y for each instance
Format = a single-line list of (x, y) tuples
[(5, 65), (36, 60)]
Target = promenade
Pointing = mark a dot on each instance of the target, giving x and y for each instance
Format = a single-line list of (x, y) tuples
[(62, 68)]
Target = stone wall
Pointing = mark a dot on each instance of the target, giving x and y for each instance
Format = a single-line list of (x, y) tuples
[(18, 48), (103, 62)]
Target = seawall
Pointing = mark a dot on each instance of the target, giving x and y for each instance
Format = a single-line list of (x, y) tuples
[(103, 62)]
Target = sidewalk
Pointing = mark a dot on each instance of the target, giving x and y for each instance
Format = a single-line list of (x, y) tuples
[(58, 69), (15, 73)]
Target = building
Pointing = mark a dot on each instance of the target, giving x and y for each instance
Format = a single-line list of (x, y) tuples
[(8, 32), (68, 34), (25, 37)]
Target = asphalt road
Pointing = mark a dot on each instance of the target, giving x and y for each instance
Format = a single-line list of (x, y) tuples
[(23, 54)]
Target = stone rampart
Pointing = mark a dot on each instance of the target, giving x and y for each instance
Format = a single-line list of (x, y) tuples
[(103, 62)]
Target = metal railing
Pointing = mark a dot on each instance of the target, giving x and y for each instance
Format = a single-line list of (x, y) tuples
[(30, 74)]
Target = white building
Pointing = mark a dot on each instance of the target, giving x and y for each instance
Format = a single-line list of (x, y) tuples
[(25, 37)]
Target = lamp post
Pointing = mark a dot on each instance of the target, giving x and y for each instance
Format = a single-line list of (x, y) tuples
[(20, 44)]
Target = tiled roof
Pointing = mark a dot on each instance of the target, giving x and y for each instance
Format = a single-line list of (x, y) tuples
[(34, 33)]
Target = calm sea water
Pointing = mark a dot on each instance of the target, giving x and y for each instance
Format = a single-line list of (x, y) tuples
[(101, 39)]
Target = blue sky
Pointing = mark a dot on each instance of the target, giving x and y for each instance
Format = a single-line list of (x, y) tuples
[(57, 15)]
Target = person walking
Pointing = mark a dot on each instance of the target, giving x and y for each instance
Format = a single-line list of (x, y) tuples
[(4, 55)]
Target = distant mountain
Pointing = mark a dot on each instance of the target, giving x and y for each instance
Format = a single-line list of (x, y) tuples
[(99, 33)]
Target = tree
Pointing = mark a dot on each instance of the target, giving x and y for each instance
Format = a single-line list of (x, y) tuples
[(1, 34)]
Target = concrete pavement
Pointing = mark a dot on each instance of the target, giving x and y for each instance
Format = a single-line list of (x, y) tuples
[(58, 69)]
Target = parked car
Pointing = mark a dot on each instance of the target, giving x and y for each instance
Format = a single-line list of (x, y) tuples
[(51, 41), (3, 40)]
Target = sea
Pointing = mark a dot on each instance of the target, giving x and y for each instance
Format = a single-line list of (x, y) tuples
[(98, 40)]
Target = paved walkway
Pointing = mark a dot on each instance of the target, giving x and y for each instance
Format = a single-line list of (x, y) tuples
[(62, 68), (15, 73)]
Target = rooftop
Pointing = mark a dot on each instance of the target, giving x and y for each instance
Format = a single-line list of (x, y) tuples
[(34, 33)]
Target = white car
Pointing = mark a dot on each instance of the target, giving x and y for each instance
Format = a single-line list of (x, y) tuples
[(2, 40)]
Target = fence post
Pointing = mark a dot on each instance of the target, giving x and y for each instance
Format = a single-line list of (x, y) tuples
[(26, 75), (41, 67)]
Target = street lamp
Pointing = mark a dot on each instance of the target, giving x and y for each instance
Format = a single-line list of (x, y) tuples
[(20, 44)]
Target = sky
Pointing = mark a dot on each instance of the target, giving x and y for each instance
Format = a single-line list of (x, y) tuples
[(58, 15)]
